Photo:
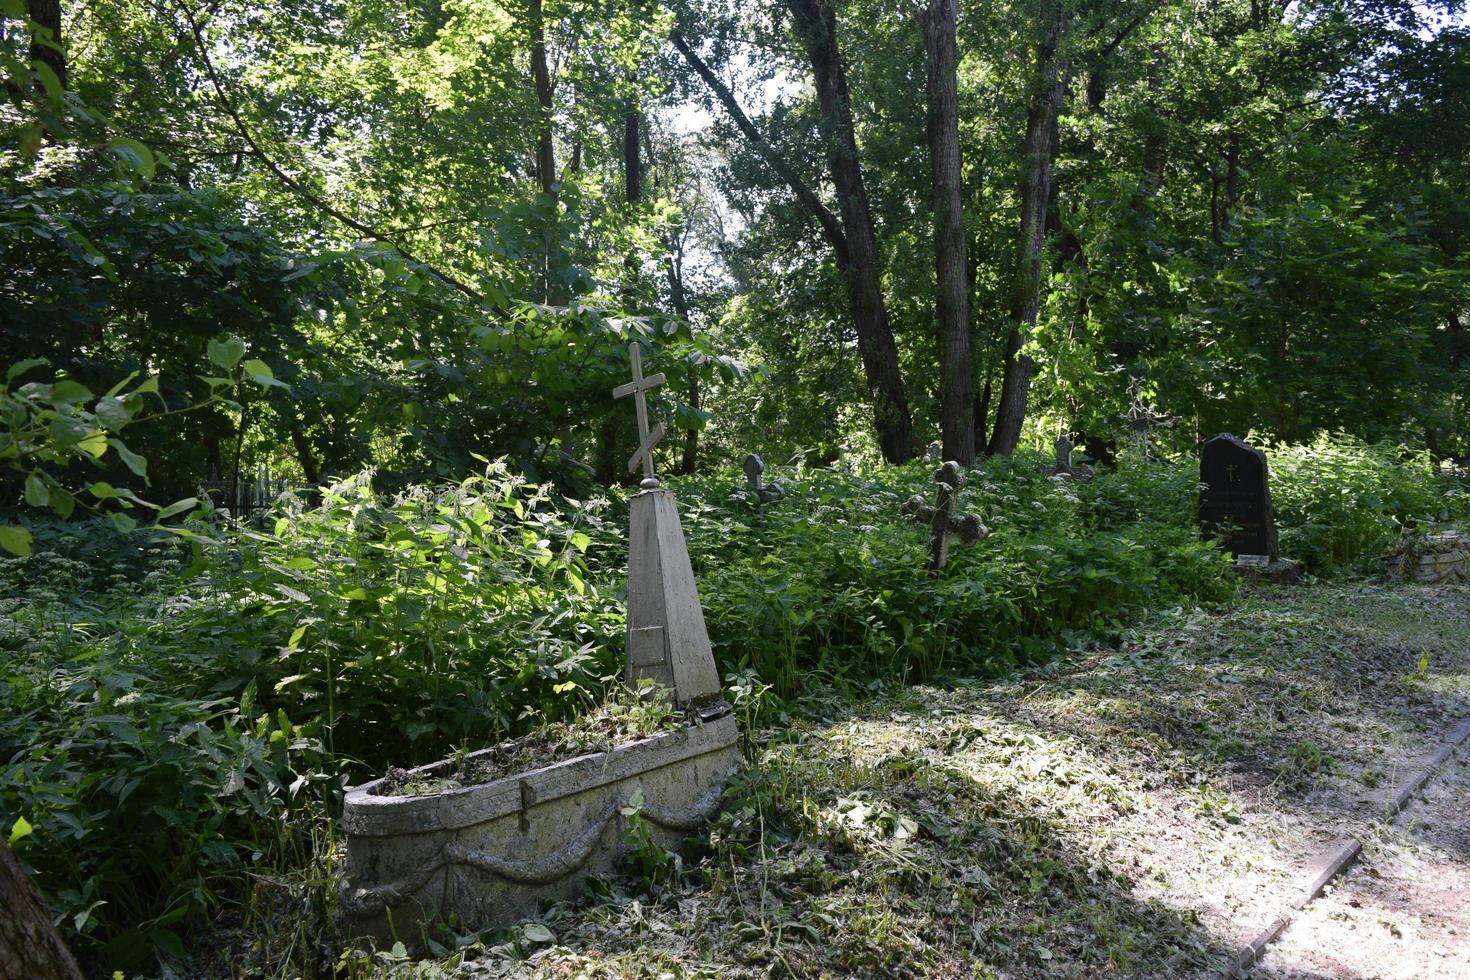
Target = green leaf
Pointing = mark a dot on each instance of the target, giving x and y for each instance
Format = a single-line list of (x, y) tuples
[(580, 540), (117, 388), (134, 154), (50, 81), (168, 941), (37, 493), (178, 507), (260, 372), (69, 392), (132, 460), (535, 932), (22, 828), (94, 443), (102, 490), (21, 367), (113, 412), (148, 387), (226, 353), (16, 540), (123, 522), (294, 643), (62, 502)]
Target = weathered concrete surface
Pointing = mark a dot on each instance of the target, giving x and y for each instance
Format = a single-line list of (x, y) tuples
[(667, 640), (489, 854)]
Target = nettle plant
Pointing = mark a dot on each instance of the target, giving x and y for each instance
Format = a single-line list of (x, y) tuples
[(47, 427), (408, 624)]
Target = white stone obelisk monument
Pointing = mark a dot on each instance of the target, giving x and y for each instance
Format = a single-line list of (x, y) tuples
[(667, 641)]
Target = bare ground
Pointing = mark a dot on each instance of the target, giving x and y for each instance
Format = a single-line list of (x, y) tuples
[(1404, 910)]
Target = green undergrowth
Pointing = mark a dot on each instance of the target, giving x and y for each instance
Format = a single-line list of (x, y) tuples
[(177, 722)]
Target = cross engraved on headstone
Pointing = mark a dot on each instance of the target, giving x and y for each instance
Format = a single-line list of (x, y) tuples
[(944, 520), (1235, 497), (764, 493), (646, 440)]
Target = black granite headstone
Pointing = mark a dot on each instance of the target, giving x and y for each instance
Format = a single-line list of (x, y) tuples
[(1235, 497)]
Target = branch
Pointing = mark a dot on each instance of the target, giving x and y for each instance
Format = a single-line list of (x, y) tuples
[(285, 178), (1128, 29), (831, 227)]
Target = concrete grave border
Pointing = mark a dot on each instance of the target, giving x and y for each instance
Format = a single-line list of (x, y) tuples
[(412, 860), (1340, 855)]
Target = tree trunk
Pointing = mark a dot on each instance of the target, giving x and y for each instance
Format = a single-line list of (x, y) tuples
[(680, 299), (632, 164), (552, 291), (1232, 180), (1038, 151), (1156, 140), (305, 455), (816, 23), (545, 148), (982, 415), (29, 944), (46, 48), (952, 299)]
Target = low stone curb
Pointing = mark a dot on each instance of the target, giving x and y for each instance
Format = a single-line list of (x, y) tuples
[(1396, 800), (1342, 853)]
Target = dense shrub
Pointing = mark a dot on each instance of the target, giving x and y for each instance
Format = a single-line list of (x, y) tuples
[(1340, 502)]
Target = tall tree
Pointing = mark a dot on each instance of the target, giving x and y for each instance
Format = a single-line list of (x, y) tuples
[(46, 46), (816, 25), (1038, 151), (956, 361), (853, 240)]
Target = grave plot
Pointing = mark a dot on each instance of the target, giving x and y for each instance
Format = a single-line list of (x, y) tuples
[(1235, 507), (486, 854)]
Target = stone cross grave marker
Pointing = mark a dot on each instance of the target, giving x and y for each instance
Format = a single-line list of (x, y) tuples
[(944, 520), (764, 493), (1141, 420), (667, 639), (1064, 465), (1235, 498)]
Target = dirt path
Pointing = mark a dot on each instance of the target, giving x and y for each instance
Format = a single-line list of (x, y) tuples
[(1404, 910)]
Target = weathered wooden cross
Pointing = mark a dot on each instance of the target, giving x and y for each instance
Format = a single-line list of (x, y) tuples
[(944, 520), (646, 439)]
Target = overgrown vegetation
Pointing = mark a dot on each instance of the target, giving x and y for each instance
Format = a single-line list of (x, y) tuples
[(178, 714), (366, 248)]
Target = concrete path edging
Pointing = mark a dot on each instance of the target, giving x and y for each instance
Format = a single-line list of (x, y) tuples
[(1340, 854)]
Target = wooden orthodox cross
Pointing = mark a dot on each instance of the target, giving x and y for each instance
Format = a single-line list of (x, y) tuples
[(667, 639), (646, 439)]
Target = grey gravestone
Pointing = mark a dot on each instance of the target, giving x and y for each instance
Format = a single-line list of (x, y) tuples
[(944, 520), (764, 493), (667, 640), (1064, 465), (1235, 498)]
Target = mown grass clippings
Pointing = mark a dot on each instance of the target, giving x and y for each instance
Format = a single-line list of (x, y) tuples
[(1131, 818)]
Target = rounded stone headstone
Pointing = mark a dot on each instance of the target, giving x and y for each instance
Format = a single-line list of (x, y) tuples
[(1235, 497)]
